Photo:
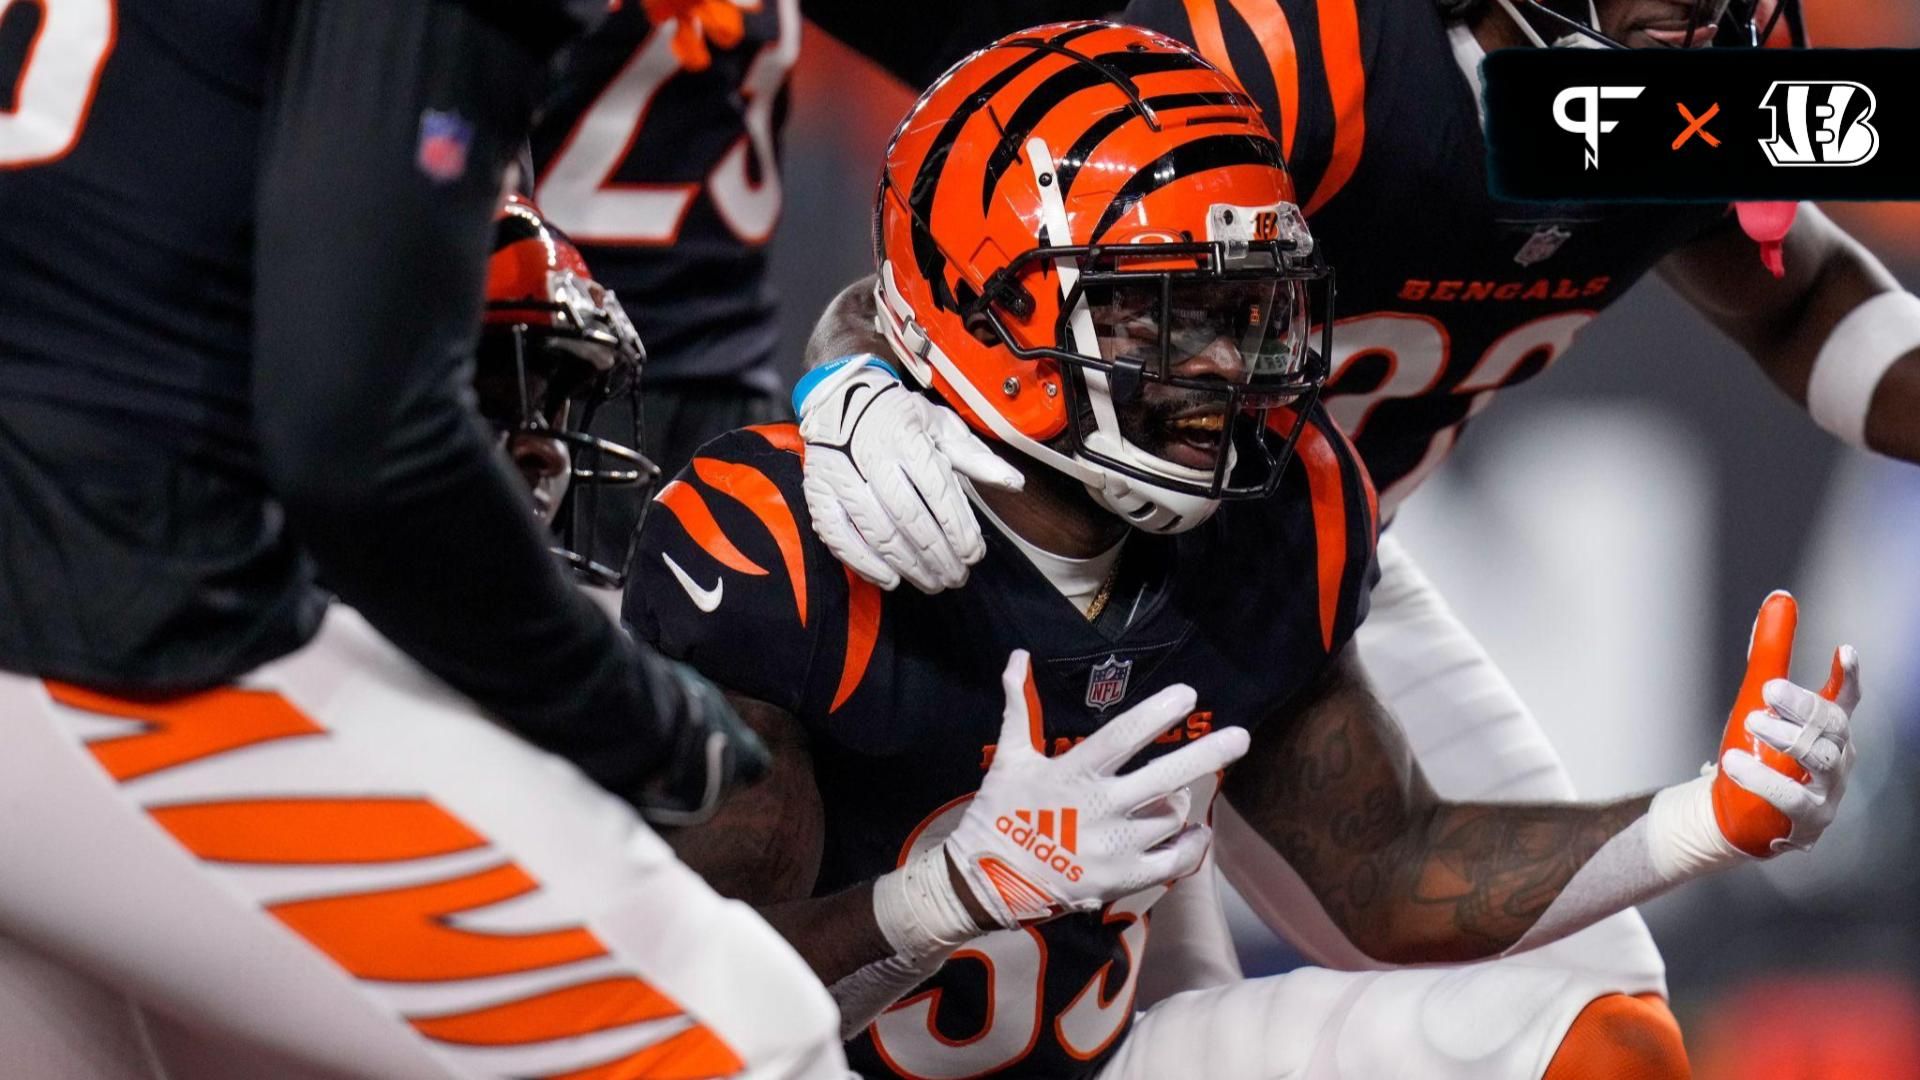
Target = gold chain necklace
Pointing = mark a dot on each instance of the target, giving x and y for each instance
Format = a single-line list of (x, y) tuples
[(1106, 590)]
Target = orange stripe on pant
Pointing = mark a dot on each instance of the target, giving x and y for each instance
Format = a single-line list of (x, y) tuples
[(316, 831), (697, 1054), (558, 1014), (184, 729)]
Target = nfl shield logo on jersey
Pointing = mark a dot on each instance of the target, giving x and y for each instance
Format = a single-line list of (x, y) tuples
[(1108, 682), (1542, 244), (443, 145)]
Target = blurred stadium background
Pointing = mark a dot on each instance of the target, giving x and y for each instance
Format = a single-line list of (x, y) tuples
[(1608, 532)]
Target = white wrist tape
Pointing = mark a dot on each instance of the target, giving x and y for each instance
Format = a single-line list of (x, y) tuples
[(1683, 839), (1856, 357), (917, 909)]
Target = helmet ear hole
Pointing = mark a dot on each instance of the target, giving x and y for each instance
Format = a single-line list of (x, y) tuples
[(983, 329)]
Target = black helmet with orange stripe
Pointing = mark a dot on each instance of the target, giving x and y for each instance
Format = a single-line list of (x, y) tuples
[(1089, 246), (1579, 23), (555, 345)]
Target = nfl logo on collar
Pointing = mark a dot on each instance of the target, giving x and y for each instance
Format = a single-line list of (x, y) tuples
[(444, 137), (1107, 683)]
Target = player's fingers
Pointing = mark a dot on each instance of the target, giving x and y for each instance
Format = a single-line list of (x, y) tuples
[(843, 538), (1165, 815), (1778, 791), (1020, 719), (971, 456), (934, 567), (1843, 681), (1179, 857), (1202, 757), (1117, 740), (932, 475), (1793, 702), (1770, 648), (1805, 744)]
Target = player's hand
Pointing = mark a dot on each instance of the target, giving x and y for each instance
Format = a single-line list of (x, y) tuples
[(710, 751), (880, 479), (1787, 750), (1047, 836)]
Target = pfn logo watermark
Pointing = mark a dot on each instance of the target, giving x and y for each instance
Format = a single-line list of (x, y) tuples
[(1588, 124), (1820, 123)]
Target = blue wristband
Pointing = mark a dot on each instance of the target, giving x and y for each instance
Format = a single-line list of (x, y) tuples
[(818, 375)]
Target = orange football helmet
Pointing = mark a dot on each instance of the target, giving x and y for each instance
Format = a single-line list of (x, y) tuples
[(1089, 246), (554, 346)]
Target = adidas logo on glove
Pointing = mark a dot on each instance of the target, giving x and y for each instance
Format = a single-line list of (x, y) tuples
[(1048, 835)]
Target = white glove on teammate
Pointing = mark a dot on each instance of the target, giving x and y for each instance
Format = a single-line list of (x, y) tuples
[(1070, 833), (879, 479)]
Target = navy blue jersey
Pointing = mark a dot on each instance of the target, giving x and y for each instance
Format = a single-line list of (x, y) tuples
[(900, 694), (1447, 295)]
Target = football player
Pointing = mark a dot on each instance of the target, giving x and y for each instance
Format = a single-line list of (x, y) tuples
[(1447, 296), (1178, 584), (240, 283), (660, 154)]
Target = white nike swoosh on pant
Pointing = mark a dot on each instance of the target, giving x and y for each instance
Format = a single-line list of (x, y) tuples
[(704, 599)]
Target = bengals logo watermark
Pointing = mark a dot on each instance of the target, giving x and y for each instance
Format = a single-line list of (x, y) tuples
[(1702, 125), (1820, 123)]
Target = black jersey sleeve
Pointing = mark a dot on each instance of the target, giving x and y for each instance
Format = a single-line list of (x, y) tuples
[(917, 41), (727, 575), (388, 128), (1333, 519)]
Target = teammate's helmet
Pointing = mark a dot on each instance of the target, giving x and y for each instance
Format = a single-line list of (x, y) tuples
[(554, 346), (1576, 23), (1089, 246)]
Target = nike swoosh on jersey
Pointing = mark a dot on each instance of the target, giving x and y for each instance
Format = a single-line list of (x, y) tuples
[(704, 599)]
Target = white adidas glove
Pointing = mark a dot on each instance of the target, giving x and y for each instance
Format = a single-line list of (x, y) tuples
[(880, 478), (1071, 833)]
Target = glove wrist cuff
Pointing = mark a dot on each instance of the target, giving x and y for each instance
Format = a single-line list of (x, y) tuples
[(808, 383), (1684, 839), (918, 910)]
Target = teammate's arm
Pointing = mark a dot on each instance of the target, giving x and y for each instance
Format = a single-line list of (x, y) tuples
[(376, 200), (1836, 333), (1411, 878)]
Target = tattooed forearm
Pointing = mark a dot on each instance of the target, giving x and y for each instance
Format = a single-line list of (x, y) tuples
[(1406, 876)]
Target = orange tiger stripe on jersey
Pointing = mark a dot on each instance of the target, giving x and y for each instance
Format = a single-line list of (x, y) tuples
[(1204, 17), (863, 629), (557, 1014), (309, 831), (697, 519), (782, 436), (1329, 521), (1366, 479), (752, 489), (184, 729), (407, 934), (1347, 86), (694, 1054), (1270, 27)]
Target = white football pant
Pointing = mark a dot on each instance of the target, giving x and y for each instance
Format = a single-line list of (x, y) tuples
[(1499, 1019), (339, 868)]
